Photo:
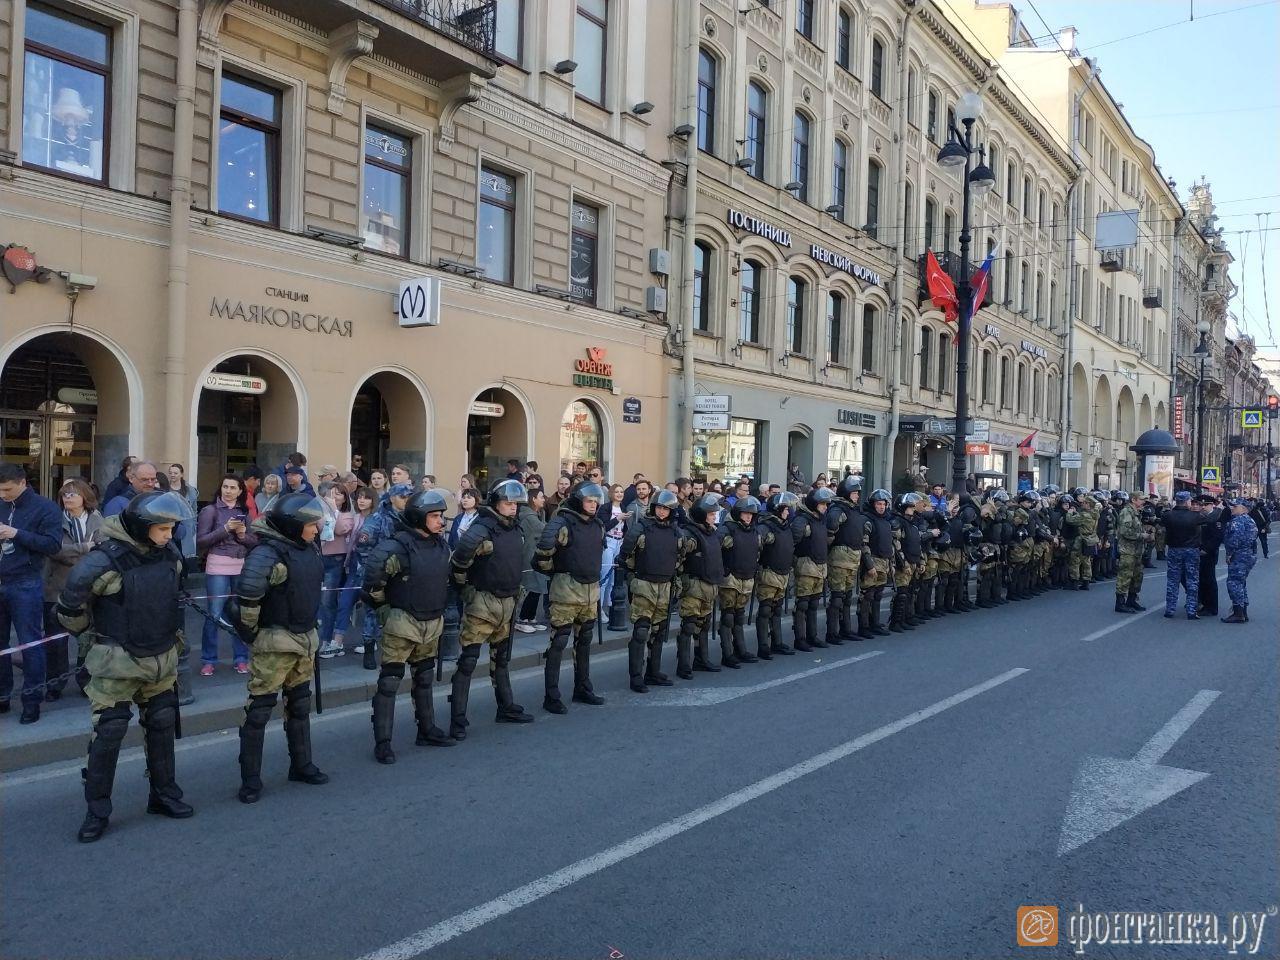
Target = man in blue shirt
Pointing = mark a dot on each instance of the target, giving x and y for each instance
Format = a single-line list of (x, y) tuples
[(938, 498), (1241, 541), (30, 530)]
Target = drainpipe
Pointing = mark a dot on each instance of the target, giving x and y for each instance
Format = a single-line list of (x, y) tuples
[(1179, 226), (895, 302), (1074, 297), (175, 363), (687, 372)]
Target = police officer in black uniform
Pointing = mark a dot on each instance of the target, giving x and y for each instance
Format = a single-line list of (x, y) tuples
[(963, 526), (809, 527), (700, 584), (877, 570), (406, 585), (740, 541), (570, 550), (844, 563), (127, 589), (777, 556), (487, 565), (651, 551), (275, 608), (908, 562)]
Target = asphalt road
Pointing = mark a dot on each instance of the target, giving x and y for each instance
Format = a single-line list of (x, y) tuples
[(898, 798)]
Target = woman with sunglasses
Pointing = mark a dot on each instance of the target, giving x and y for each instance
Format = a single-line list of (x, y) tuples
[(81, 530)]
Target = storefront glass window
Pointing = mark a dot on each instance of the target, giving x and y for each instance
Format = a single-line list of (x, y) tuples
[(579, 436), (388, 160), (584, 252), (729, 454), (65, 93), (843, 450)]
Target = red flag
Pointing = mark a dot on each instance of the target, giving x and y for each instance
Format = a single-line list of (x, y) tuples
[(941, 290), (1027, 447), (981, 280)]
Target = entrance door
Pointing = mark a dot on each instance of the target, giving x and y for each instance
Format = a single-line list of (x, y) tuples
[(54, 448)]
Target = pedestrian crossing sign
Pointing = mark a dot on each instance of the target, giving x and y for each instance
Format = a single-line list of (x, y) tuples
[(1208, 474), (1251, 419)]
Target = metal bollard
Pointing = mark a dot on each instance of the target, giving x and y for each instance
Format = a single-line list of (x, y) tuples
[(618, 601)]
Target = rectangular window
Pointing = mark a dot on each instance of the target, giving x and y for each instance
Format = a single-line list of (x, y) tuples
[(1009, 181), (590, 27), (1026, 197), (926, 359), (749, 302), (877, 68), (908, 220), (930, 222), (868, 339), (66, 98), (932, 120), (701, 301), (944, 362), (844, 39), (1022, 388), (800, 156), (913, 108), (993, 162), (706, 102), (388, 165), (584, 252), (804, 18), (986, 376), (948, 230), (795, 315), (1004, 382), (496, 226), (249, 151), (839, 174), (873, 198), (835, 326), (757, 106), (508, 30)]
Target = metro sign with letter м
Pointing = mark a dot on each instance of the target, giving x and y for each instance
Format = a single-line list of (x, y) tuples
[(418, 302)]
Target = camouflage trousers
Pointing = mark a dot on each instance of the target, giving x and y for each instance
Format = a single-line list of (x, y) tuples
[(280, 659), (406, 639), (697, 598), (573, 602), (1238, 566), (115, 675), (1129, 571), (770, 585), (878, 574), (842, 568), (649, 600), (735, 593), (810, 577), (1079, 566), (486, 619), (1043, 559), (1183, 569)]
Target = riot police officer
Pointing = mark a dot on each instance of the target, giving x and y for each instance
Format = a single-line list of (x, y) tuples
[(1022, 547), (740, 542), (809, 527), (845, 526), (487, 565), (703, 576), (878, 561), (274, 610), (777, 554), (406, 585), (908, 556), (127, 590), (570, 550), (651, 551), (963, 526)]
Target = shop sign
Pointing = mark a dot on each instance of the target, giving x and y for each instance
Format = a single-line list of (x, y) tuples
[(631, 410), (1071, 459), (88, 398), (19, 265), (991, 330), (482, 408), (1035, 349), (1179, 424), (263, 313), (761, 228), (711, 421), (718, 403), (859, 418), (935, 425), (418, 302), (594, 371), (977, 449), (235, 383), (842, 262)]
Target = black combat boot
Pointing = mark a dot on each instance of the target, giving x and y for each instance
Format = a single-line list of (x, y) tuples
[(635, 655), (551, 701), (99, 772), (739, 638), (1237, 615), (508, 711), (252, 732), (370, 653), (875, 596), (424, 708), (384, 711), (653, 675), (702, 650), (582, 690), (159, 719), (864, 617), (895, 612), (460, 690), (800, 625), (728, 656), (1122, 605), (811, 622), (764, 646), (297, 733), (778, 645), (835, 614), (684, 648), (1132, 600)]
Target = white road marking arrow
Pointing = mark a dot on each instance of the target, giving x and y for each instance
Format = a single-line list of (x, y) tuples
[(1108, 792), (710, 696)]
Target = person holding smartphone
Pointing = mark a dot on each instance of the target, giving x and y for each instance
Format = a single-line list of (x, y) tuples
[(223, 539)]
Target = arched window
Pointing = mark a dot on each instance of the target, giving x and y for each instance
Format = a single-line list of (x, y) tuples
[(1005, 385), (926, 340), (988, 385), (913, 92), (930, 223), (908, 219), (581, 436), (873, 197), (905, 350), (1024, 287), (757, 119), (877, 67), (839, 175), (800, 156), (949, 231), (797, 291), (749, 301), (804, 18), (993, 163), (701, 286), (1022, 388), (931, 120), (1037, 393), (835, 327), (707, 71), (869, 321), (1040, 292), (944, 362), (844, 39)]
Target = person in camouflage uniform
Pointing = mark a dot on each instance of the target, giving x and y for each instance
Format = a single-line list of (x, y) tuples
[(1241, 542), (651, 552), (1042, 538), (1132, 537), (931, 525), (995, 520), (777, 554), (740, 543), (487, 567), (908, 560), (809, 526), (570, 550), (127, 589), (878, 559), (406, 586), (275, 609), (844, 523), (1106, 521), (1082, 520), (702, 579), (1021, 548), (1162, 507)]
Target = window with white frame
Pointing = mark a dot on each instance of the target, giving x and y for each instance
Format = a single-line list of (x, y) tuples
[(589, 32), (388, 168), (496, 225), (249, 150)]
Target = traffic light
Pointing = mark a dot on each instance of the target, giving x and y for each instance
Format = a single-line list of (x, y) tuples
[(1273, 406)]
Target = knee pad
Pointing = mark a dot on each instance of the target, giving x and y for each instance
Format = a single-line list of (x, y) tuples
[(113, 722), (802, 604), (500, 654), (297, 700), (422, 668), (161, 711), (467, 660), (258, 710), (582, 637), (560, 639), (765, 610), (389, 679)]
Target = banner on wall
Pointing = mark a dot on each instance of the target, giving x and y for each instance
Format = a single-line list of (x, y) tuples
[(1160, 475)]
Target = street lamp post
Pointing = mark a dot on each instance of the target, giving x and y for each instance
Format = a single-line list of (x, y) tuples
[(1202, 355), (960, 150)]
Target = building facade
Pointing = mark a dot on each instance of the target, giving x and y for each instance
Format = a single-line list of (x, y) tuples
[(225, 198), (810, 133)]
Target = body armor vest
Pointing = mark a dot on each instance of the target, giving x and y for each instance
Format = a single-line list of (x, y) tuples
[(706, 563), (498, 573), (658, 560), (743, 557), (880, 539), (144, 617), (814, 543), (294, 604), (581, 557), (779, 555), (421, 589)]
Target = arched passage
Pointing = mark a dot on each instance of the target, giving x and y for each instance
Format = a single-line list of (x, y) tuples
[(800, 452), (1080, 419), (1145, 421), (1126, 417), (1104, 424), (248, 408), (499, 427), (390, 421), (1162, 417), (70, 406)]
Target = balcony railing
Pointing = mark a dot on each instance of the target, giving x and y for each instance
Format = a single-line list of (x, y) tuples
[(470, 22), (1152, 297), (1109, 261)]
